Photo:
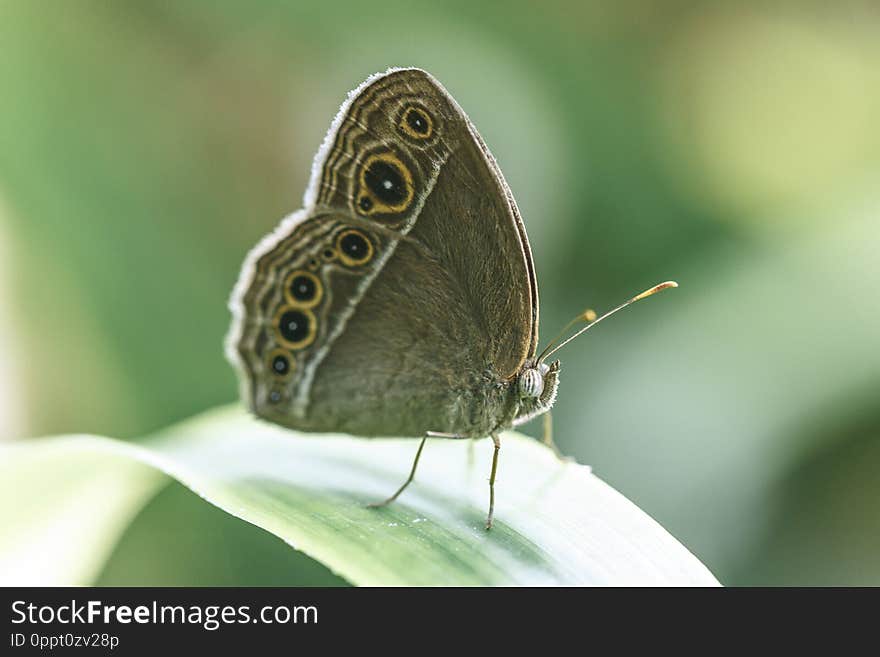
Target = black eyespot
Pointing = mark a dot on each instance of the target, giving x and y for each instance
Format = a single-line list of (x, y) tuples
[(328, 254), (386, 181), (294, 326), (417, 121), (355, 247), (303, 288), (280, 365), (365, 203)]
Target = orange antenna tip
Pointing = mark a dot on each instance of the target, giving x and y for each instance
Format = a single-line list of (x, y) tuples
[(589, 315), (655, 290)]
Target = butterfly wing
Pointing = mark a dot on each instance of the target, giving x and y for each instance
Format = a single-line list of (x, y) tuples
[(403, 297)]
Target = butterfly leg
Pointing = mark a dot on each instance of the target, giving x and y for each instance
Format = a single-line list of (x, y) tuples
[(470, 458), (548, 437), (497, 441), (412, 472)]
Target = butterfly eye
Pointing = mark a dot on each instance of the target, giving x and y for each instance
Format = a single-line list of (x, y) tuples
[(303, 289), (417, 123), (354, 248), (386, 185), (295, 328), (280, 363)]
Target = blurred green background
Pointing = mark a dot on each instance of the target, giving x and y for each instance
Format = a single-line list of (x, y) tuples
[(145, 147)]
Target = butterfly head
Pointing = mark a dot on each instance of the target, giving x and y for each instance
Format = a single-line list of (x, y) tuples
[(537, 384)]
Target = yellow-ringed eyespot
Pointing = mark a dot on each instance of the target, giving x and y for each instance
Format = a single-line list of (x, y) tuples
[(303, 289), (416, 122), (354, 247), (280, 363), (295, 328), (329, 254), (386, 185)]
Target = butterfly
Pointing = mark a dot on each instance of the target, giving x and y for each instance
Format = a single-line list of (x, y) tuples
[(402, 299)]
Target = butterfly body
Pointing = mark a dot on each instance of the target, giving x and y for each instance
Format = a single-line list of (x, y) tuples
[(402, 299)]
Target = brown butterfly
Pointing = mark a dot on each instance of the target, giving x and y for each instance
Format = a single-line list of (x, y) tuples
[(402, 299)]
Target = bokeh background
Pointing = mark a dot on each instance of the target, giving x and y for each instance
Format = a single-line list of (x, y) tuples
[(145, 147)]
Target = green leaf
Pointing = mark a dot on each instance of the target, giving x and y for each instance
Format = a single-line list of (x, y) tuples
[(556, 523), (64, 502)]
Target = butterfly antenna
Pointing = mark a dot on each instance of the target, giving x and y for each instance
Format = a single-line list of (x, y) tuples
[(590, 317)]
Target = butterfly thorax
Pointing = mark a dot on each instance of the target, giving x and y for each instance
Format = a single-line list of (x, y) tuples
[(491, 404)]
